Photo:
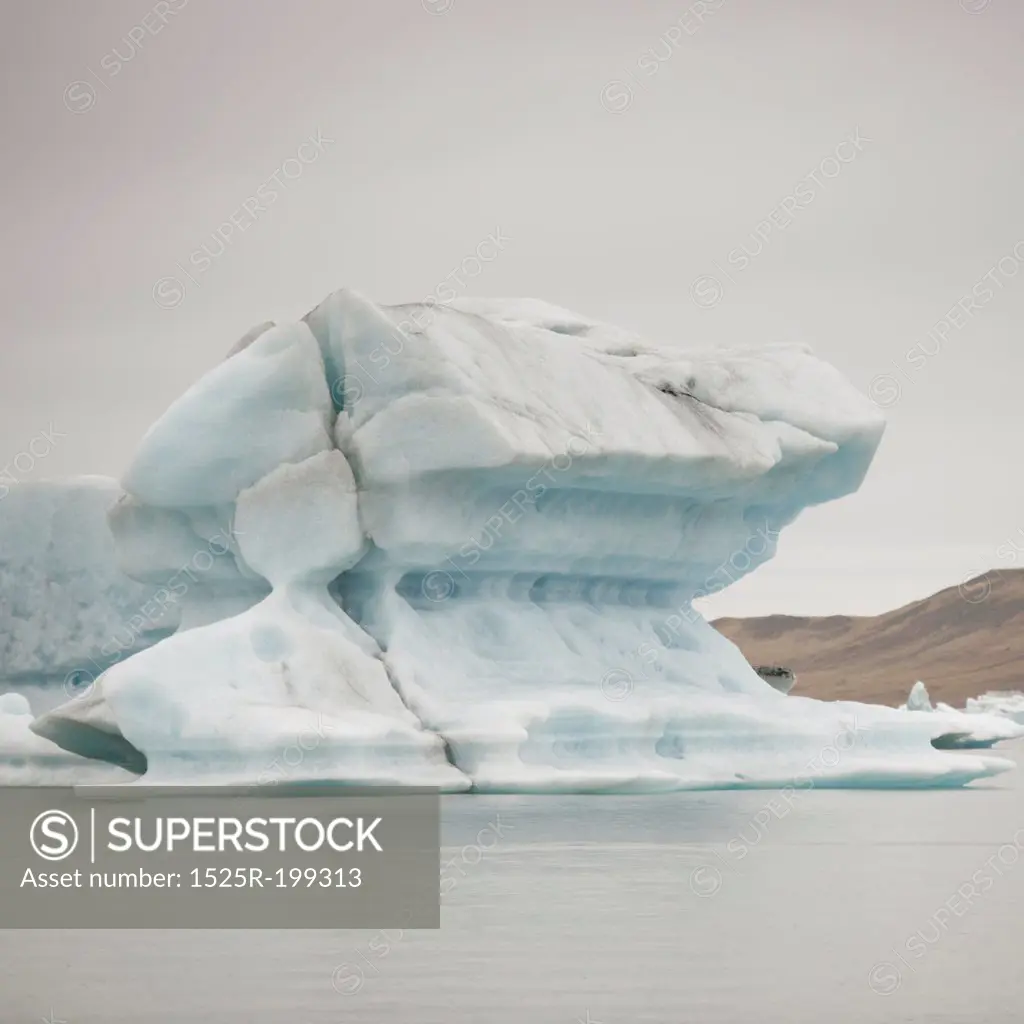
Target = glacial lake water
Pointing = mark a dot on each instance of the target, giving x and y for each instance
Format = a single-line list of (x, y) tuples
[(850, 907)]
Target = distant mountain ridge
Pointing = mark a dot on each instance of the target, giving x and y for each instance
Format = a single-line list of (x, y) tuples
[(960, 641)]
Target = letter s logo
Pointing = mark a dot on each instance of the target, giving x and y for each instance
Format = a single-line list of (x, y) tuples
[(56, 827)]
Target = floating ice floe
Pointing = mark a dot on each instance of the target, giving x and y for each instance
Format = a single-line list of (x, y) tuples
[(777, 676), (962, 730), (1009, 703), (459, 545), (29, 760)]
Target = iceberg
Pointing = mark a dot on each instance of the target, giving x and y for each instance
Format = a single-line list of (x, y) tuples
[(777, 676), (918, 699), (459, 545), (27, 759), (961, 731), (1009, 703), (65, 603)]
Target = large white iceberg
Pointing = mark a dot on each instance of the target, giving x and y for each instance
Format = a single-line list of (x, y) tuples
[(459, 545)]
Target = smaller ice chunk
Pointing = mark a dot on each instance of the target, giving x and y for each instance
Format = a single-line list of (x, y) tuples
[(777, 676), (918, 700), (957, 730), (27, 759), (1008, 703), (14, 704), (86, 726)]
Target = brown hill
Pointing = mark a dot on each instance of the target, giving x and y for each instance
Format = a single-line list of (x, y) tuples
[(960, 642)]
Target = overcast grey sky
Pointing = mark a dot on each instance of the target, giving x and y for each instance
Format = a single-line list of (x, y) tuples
[(626, 151)]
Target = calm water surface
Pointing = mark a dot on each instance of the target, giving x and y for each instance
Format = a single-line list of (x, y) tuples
[(846, 906)]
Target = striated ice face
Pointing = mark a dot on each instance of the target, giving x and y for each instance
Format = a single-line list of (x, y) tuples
[(514, 508)]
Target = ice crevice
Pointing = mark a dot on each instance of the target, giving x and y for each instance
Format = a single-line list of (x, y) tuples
[(462, 550)]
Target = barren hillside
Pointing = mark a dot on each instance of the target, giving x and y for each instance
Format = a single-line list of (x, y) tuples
[(960, 642)]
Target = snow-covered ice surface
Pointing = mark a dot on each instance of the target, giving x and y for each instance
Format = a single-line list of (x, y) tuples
[(459, 546)]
